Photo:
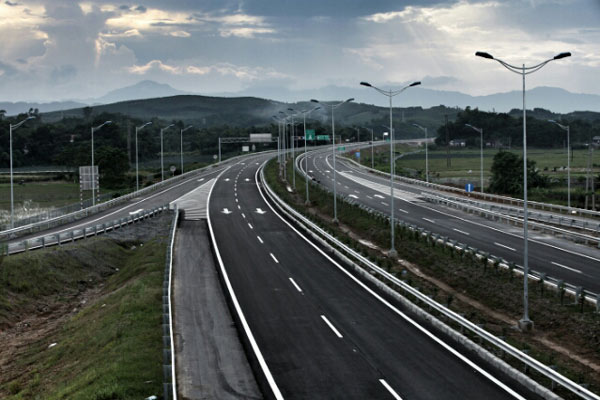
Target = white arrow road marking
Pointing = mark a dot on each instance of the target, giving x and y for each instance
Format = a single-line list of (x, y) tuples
[(259, 211), (226, 211)]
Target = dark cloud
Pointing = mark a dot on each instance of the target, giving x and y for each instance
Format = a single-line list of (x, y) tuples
[(10, 3), (141, 9), (124, 7)]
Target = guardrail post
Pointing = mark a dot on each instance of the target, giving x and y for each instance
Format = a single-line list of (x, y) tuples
[(43, 242)]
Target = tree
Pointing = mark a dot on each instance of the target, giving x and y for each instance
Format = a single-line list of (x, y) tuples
[(507, 174), (112, 163)]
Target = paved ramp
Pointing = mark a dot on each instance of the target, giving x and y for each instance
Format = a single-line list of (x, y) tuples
[(194, 202)]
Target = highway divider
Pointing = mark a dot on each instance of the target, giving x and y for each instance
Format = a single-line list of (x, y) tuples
[(169, 369), (77, 234), (366, 268)]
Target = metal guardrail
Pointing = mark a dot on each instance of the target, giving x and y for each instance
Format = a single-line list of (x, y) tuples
[(460, 204), (36, 227), (169, 369), (488, 196), (451, 315), (76, 234)]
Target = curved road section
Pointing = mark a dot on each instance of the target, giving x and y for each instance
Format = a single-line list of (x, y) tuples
[(315, 331)]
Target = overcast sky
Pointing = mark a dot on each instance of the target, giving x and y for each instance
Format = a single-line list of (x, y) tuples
[(57, 50)]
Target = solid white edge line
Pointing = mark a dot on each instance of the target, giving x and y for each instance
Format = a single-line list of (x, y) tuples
[(238, 309), (169, 294), (565, 267), (330, 325), (389, 389), (391, 307), (274, 258), (296, 285)]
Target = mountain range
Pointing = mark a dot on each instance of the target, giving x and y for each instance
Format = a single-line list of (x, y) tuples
[(550, 98)]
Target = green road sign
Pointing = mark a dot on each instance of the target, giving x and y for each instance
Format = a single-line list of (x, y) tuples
[(322, 137), (310, 134), (341, 148)]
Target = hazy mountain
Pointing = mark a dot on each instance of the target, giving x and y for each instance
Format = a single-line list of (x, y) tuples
[(142, 90), (23, 107), (555, 99)]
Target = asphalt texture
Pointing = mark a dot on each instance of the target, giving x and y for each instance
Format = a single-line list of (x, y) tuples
[(211, 363), (322, 334), (559, 258)]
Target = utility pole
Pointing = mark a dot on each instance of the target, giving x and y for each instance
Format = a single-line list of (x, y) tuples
[(448, 161)]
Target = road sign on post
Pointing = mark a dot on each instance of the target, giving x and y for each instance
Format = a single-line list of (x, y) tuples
[(469, 187), (310, 134), (357, 154), (322, 137)]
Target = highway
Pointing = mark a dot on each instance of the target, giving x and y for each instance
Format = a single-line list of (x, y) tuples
[(575, 264), (315, 330)]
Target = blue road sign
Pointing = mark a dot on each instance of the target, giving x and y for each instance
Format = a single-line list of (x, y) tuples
[(469, 187)]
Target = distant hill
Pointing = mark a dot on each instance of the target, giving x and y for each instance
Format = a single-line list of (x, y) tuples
[(23, 107), (142, 90)]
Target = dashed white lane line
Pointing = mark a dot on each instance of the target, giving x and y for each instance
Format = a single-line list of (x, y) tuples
[(260, 240), (369, 197), (353, 196), (274, 259), (404, 211), (357, 192), (505, 246), (239, 207), (250, 226), (429, 220), (459, 231), (236, 200), (296, 285), (565, 267), (337, 333), (389, 389), (243, 215), (346, 187), (384, 203), (379, 196)]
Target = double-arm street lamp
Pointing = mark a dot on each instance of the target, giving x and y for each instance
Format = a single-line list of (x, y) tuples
[(568, 129), (137, 174), (93, 178), (12, 197), (333, 107), (426, 152), (525, 323), (480, 130), (304, 114), (390, 94), (162, 166), (181, 144)]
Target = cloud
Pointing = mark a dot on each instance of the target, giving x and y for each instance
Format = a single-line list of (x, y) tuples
[(141, 9), (181, 34), (63, 73), (156, 65), (245, 32), (11, 4)]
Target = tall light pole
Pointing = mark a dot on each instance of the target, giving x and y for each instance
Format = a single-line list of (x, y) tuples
[(525, 323), (162, 166), (93, 180), (293, 134), (181, 144), (137, 174), (390, 94), (304, 113), (480, 130), (333, 107), (12, 197), (568, 129), (426, 152)]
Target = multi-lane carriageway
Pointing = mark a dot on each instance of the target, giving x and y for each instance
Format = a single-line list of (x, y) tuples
[(313, 329), (576, 264)]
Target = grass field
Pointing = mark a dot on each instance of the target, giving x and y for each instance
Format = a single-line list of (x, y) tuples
[(110, 346)]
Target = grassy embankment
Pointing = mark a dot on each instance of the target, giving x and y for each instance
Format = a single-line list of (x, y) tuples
[(483, 293), (100, 302), (465, 164)]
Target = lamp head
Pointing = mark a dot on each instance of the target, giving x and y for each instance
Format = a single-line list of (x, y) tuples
[(553, 121), (314, 100), (290, 109), (562, 55), (414, 84), (367, 84), (349, 100), (484, 55)]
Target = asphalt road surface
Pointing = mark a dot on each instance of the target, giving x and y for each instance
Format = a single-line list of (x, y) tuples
[(561, 259), (317, 331)]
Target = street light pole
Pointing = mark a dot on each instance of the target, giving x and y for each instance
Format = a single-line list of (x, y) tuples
[(93, 180), (304, 113), (333, 107), (480, 130), (426, 152), (525, 324), (568, 129), (293, 131), (137, 175), (181, 145), (162, 166), (391, 93), (12, 196)]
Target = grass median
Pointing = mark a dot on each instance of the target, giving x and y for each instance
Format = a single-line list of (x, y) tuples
[(566, 333)]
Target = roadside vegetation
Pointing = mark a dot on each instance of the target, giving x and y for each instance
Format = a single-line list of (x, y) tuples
[(83, 321), (566, 332)]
